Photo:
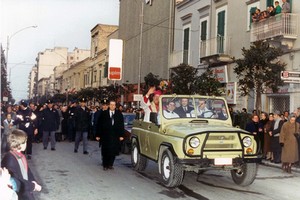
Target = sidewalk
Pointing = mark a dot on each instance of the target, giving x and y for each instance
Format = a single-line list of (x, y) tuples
[(270, 164)]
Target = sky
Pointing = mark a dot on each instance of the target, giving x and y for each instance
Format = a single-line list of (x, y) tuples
[(60, 23)]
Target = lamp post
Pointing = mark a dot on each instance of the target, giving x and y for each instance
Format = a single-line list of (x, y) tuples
[(141, 45), (9, 38), (9, 76)]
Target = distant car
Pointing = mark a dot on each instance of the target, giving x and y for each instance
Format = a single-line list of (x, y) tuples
[(200, 140), (128, 123)]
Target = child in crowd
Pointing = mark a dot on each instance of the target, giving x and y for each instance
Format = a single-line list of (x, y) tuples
[(17, 165), (8, 128)]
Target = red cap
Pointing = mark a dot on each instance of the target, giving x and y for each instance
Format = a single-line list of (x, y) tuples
[(157, 92)]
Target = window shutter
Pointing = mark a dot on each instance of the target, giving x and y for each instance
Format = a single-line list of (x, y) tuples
[(270, 2), (203, 30), (106, 70), (186, 35), (221, 23)]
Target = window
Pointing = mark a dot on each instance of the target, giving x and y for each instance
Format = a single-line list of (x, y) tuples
[(270, 3), (186, 44), (221, 31), (251, 9), (203, 37)]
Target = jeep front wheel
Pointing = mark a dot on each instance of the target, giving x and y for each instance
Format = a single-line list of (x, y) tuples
[(138, 161), (171, 172), (245, 175)]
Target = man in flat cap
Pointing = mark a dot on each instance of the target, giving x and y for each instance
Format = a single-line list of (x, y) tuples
[(82, 125), (50, 123), (27, 122)]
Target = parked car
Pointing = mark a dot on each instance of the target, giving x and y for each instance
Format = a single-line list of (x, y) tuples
[(202, 139), (128, 123)]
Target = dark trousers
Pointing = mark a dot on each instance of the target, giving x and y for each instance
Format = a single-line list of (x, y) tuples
[(71, 130), (29, 143), (108, 160), (276, 149)]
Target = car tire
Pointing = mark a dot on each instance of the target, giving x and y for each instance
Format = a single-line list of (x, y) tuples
[(245, 175), (138, 161), (171, 172)]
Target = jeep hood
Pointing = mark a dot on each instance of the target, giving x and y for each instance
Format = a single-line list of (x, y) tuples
[(184, 129)]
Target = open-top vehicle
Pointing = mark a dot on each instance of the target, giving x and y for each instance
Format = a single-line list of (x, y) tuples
[(199, 139)]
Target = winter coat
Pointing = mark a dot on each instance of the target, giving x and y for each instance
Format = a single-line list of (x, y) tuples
[(82, 119), (110, 134), (290, 148), (50, 119)]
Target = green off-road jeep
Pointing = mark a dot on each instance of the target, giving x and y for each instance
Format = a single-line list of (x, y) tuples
[(194, 133)]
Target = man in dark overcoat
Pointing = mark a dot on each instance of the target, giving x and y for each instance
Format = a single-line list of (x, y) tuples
[(110, 132), (27, 122), (50, 123), (256, 128), (82, 125)]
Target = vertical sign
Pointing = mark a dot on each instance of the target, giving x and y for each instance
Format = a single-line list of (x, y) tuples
[(231, 92), (115, 59)]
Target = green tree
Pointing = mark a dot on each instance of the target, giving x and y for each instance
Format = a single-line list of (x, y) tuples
[(259, 70), (183, 78), (207, 84)]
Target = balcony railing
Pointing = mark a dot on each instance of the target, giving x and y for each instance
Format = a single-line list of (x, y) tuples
[(285, 25), (213, 46)]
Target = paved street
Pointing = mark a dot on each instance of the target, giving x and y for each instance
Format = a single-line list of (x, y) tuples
[(65, 175)]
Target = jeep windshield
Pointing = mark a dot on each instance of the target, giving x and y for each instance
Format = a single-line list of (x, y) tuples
[(188, 107)]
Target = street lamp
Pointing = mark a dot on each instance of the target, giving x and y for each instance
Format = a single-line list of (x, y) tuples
[(12, 68), (9, 38)]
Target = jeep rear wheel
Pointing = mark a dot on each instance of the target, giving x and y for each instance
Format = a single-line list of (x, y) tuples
[(171, 172), (245, 175), (138, 161)]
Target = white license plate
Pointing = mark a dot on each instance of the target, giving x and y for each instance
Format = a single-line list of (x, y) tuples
[(223, 161)]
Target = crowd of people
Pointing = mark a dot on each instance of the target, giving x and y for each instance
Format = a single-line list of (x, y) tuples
[(278, 133), (272, 10), (23, 124)]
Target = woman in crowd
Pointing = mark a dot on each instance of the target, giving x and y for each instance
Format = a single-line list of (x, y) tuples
[(289, 144), (267, 137)]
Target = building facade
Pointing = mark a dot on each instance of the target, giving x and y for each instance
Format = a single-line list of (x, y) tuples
[(147, 33), (210, 33)]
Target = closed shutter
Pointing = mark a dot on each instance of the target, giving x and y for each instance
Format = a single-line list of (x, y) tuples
[(106, 70), (270, 3), (203, 30), (186, 38), (221, 32), (221, 23)]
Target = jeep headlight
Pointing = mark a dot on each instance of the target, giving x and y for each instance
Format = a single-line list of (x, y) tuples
[(194, 142), (247, 141)]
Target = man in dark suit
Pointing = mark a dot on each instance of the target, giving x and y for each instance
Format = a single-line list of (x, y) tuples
[(82, 125), (184, 110), (110, 132), (50, 123)]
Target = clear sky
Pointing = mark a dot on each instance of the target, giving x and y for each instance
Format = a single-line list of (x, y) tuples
[(63, 23)]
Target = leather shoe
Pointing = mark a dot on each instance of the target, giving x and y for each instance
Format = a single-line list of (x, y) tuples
[(45, 148), (52, 149), (85, 152), (105, 168), (110, 167), (75, 151)]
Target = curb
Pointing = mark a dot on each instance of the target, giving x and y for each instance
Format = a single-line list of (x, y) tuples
[(270, 164)]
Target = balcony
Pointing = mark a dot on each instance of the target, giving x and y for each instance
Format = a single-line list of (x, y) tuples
[(281, 28), (215, 51)]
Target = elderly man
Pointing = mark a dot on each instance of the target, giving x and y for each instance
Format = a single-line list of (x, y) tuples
[(150, 106), (286, 7), (169, 112)]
